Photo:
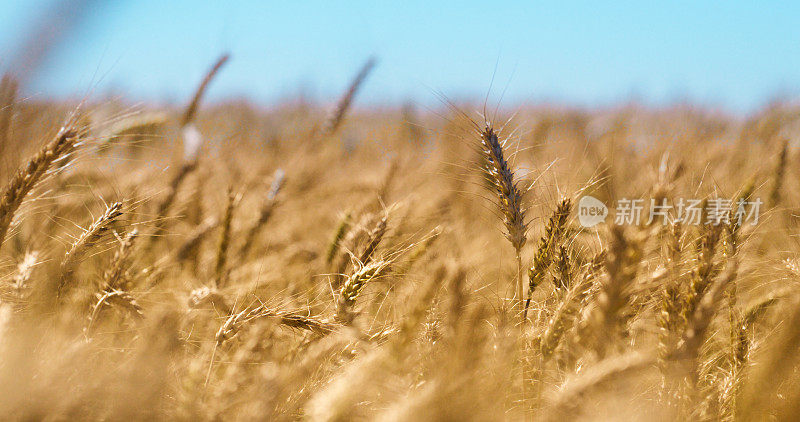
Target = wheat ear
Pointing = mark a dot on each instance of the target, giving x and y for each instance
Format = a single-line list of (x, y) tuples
[(742, 329), (8, 95), (353, 286), (499, 173), (700, 320), (113, 277), (225, 239), (374, 238), (778, 175), (292, 319), (27, 178), (563, 269), (191, 109), (563, 317), (553, 232), (761, 398), (704, 272), (745, 324), (112, 297), (350, 243), (621, 265), (335, 119), (730, 249), (90, 237), (341, 230)]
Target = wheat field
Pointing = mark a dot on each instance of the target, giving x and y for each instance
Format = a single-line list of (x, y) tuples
[(224, 261)]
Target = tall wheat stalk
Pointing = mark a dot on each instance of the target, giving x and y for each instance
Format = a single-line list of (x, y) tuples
[(499, 173), (192, 144)]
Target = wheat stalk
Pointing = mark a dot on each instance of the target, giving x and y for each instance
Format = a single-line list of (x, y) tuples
[(292, 319), (192, 144), (498, 172), (374, 238)]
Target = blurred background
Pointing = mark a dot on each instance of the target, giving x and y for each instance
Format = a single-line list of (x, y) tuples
[(735, 56)]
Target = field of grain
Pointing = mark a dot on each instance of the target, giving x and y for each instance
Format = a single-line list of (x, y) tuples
[(223, 261)]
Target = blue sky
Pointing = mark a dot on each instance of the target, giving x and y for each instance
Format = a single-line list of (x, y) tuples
[(734, 54)]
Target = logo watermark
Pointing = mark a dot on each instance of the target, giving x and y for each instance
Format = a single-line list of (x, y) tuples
[(591, 211), (715, 211)]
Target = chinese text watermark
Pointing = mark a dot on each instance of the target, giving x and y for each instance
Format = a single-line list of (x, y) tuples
[(714, 211)]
